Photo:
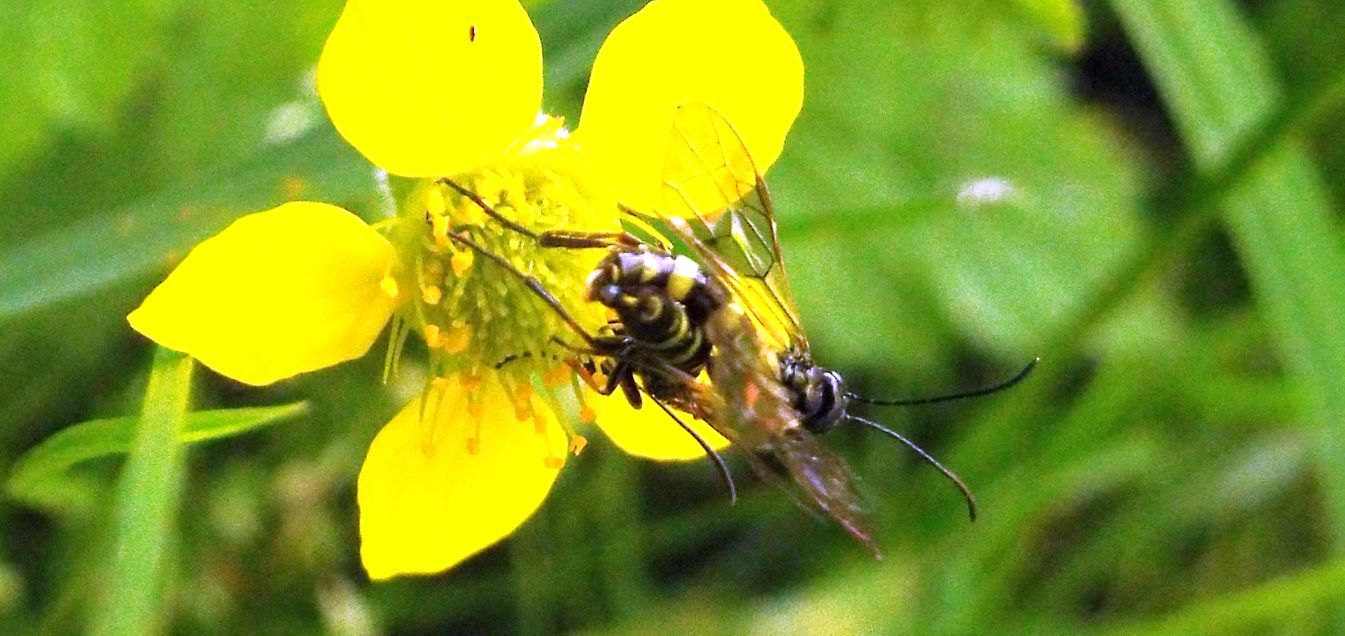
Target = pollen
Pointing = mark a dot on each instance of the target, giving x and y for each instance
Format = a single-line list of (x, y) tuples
[(431, 294), (469, 383), (587, 414), (433, 337), (389, 286), (461, 262), (556, 376), (473, 445), (434, 201), (482, 298), (554, 463), (456, 339), (577, 444)]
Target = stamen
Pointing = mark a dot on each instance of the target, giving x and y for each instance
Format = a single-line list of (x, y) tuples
[(434, 201), (431, 294), (577, 444), (389, 286), (556, 376), (433, 337), (457, 339), (439, 231), (469, 383), (461, 262)]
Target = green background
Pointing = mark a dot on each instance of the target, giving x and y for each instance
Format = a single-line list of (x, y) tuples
[(1168, 241)]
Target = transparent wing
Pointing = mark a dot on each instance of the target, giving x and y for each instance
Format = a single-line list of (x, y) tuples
[(710, 182), (755, 412)]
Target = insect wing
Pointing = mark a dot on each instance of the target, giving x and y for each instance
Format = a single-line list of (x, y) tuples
[(755, 413), (711, 183)]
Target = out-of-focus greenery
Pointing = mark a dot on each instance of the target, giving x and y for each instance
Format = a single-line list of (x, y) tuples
[(1146, 194)]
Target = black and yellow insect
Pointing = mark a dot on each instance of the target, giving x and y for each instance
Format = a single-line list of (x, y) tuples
[(730, 313), (776, 400)]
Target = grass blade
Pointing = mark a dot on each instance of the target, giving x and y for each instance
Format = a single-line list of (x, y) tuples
[(1216, 81), (146, 505), (49, 460)]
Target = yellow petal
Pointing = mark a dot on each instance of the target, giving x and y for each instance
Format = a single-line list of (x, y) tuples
[(427, 88), (648, 432), (728, 54), (436, 491), (277, 293)]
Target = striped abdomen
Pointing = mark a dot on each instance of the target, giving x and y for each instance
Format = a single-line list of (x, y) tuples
[(661, 301)]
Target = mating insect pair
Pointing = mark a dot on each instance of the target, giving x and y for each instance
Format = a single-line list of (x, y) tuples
[(728, 312)]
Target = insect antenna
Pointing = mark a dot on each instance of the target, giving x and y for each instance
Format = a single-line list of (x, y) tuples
[(1019, 377), (710, 452), (952, 476)]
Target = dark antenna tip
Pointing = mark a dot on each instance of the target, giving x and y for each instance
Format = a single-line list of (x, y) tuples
[(952, 476), (996, 388)]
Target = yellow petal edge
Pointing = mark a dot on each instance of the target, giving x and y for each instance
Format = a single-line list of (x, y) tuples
[(648, 432), (425, 88), (277, 293), (437, 490), (731, 55)]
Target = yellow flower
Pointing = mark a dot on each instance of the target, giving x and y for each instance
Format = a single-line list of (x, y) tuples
[(429, 89)]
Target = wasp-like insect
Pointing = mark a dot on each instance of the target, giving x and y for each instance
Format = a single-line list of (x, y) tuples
[(731, 314)]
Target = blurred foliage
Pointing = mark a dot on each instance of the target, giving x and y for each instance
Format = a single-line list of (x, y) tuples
[(1146, 193)]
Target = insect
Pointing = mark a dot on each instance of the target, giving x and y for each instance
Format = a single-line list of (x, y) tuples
[(656, 344), (731, 314), (776, 399)]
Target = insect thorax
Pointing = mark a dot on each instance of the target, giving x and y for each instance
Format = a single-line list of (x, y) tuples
[(661, 303), (818, 393)]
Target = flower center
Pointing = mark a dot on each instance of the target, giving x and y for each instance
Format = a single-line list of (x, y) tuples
[(474, 314)]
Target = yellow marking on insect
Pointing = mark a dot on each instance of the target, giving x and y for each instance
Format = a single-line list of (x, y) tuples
[(683, 277)]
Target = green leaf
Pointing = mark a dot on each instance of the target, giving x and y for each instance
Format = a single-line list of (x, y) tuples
[(145, 508), (1263, 606), (149, 235), (1218, 84), (98, 438), (112, 436), (984, 180), (1061, 21)]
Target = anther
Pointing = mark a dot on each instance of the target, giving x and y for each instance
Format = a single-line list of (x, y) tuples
[(461, 262), (434, 201), (556, 376), (433, 337), (431, 294), (577, 444), (456, 339), (389, 286)]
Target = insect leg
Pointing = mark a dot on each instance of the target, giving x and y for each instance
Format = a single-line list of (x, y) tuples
[(488, 209), (710, 452), (531, 283)]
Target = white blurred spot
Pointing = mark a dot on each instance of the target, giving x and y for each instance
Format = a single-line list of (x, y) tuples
[(985, 191), (290, 121)]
